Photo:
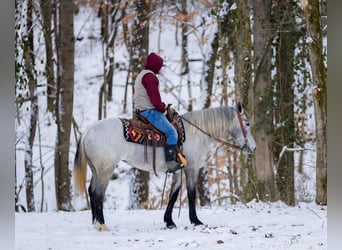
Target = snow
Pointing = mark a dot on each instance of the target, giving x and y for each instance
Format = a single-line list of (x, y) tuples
[(309, 40), (258, 226), (251, 226)]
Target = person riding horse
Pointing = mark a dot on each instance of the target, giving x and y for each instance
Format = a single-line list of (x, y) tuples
[(148, 104)]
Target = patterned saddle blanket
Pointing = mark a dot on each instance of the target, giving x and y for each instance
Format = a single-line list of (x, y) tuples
[(141, 131)]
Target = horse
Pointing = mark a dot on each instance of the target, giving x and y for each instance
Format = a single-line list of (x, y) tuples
[(102, 146)]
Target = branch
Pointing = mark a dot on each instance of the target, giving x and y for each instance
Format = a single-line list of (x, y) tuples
[(77, 132), (284, 149), (178, 98), (314, 212)]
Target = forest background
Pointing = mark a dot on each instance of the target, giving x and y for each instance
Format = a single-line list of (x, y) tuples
[(271, 56)]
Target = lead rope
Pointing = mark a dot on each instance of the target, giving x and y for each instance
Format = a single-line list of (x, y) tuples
[(162, 199), (180, 193)]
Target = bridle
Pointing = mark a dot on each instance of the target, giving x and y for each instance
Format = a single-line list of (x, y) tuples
[(243, 129)]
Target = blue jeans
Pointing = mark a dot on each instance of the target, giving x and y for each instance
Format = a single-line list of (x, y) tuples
[(159, 120)]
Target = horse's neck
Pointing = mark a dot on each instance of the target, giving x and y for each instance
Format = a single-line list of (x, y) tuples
[(214, 121)]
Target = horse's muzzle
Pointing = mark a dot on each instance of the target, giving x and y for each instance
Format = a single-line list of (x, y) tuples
[(248, 150)]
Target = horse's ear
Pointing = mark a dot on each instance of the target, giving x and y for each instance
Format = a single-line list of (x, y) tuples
[(238, 106)]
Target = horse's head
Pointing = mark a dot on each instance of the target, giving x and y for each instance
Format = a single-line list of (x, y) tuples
[(240, 130)]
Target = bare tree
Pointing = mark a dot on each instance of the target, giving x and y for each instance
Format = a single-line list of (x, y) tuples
[(139, 187), (284, 135), (184, 19), (241, 45), (64, 104), (29, 58), (210, 70), (319, 77), (216, 45), (47, 14), (126, 38), (103, 13), (110, 19), (117, 5), (262, 101)]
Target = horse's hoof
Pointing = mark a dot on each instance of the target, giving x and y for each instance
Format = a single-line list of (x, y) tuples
[(101, 227), (198, 223), (171, 225)]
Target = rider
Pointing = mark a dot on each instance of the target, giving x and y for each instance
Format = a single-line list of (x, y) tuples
[(149, 104)]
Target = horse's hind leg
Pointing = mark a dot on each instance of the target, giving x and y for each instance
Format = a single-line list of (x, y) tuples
[(96, 194), (92, 203), (175, 186), (96, 190)]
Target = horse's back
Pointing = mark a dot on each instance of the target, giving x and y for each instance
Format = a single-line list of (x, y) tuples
[(104, 129)]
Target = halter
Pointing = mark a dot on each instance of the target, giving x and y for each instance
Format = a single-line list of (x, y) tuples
[(243, 129)]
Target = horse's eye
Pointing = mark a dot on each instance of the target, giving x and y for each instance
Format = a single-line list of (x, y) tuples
[(247, 124)]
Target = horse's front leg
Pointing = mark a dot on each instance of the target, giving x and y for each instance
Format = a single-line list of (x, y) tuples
[(191, 180), (175, 187)]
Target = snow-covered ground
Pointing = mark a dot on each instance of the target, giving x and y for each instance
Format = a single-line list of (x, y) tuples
[(251, 226), (258, 226)]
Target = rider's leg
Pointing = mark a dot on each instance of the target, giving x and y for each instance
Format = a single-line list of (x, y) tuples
[(159, 120)]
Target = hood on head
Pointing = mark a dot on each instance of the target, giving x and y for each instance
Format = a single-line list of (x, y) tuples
[(154, 62)]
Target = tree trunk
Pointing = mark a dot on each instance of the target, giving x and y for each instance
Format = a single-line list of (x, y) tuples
[(262, 102), (114, 21), (185, 56), (184, 25), (103, 14), (140, 36), (64, 105), (242, 53), (240, 41), (113, 28), (209, 74), (284, 105), (319, 76), (203, 187), (46, 8), (126, 39), (139, 188), (32, 83)]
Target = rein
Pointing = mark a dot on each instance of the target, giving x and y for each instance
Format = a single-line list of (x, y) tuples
[(218, 139)]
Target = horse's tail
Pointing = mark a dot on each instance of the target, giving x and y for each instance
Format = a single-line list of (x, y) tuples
[(80, 168)]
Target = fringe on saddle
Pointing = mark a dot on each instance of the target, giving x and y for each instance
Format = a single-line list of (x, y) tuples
[(140, 131)]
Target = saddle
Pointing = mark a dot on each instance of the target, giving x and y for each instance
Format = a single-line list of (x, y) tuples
[(140, 131)]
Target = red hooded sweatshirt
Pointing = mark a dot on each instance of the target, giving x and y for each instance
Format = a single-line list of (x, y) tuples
[(151, 82)]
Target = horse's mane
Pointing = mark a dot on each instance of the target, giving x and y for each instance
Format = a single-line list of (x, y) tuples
[(215, 121)]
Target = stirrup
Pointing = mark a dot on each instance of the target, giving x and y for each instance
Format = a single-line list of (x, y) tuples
[(177, 167)]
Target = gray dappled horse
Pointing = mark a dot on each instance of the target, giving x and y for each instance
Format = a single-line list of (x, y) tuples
[(103, 145)]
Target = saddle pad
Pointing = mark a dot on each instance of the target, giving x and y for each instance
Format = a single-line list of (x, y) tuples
[(135, 131), (149, 137)]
